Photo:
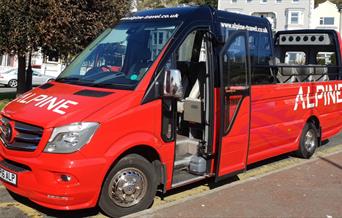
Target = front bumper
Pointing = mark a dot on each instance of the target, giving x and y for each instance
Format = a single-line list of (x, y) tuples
[(39, 179)]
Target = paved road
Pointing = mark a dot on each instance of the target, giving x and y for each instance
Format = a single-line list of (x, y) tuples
[(14, 206), (311, 189)]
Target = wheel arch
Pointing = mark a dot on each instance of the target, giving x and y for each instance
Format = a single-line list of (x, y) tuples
[(315, 121), (148, 152), (152, 156)]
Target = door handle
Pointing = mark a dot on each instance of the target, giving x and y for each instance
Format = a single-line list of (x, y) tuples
[(234, 89), (230, 91)]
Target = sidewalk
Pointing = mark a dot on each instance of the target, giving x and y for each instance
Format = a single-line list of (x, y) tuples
[(312, 189)]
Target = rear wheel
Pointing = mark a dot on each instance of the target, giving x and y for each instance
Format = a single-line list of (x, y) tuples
[(308, 141), (13, 83), (129, 187)]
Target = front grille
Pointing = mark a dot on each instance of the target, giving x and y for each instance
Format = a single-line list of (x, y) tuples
[(21, 136)]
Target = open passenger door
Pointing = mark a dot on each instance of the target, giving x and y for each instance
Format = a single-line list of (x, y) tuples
[(235, 105)]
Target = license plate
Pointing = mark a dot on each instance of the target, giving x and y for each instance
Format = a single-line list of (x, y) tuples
[(8, 176)]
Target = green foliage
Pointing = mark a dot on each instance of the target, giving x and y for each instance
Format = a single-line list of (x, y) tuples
[(17, 26), (65, 26), (5, 98), (69, 25)]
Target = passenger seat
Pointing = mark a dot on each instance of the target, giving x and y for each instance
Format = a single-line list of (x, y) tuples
[(196, 77)]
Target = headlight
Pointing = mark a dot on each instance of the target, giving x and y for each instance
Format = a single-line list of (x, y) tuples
[(70, 138)]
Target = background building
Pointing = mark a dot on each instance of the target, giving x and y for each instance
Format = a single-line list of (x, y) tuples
[(326, 16), (47, 65), (282, 14)]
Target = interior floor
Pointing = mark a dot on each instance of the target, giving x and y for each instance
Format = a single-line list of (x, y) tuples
[(182, 175)]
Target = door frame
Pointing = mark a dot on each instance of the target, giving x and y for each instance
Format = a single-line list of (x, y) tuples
[(246, 92), (207, 27)]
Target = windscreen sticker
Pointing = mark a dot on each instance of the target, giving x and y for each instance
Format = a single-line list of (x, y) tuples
[(148, 17), (323, 95), (50, 103), (237, 26)]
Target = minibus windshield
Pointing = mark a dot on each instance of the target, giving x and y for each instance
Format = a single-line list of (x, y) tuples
[(119, 57)]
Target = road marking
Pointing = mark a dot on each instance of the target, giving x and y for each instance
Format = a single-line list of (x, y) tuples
[(28, 211)]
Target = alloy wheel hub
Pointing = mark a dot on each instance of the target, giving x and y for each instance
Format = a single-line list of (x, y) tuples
[(128, 187)]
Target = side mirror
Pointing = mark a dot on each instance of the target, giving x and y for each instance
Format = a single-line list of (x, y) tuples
[(173, 84)]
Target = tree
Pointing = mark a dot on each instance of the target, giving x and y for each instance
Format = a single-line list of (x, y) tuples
[(64, 27), (72, 24), (17, 28)]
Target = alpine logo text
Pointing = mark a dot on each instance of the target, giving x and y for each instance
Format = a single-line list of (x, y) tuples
[(319, 95), (50, 103)]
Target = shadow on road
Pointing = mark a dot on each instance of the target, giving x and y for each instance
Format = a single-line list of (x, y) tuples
[(331, 162)]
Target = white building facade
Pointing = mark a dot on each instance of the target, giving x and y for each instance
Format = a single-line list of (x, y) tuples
[(326, 16), (282, 14), (47, 65)]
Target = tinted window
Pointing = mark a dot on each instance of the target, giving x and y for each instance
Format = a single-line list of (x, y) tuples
[(235, 63), (260, 51), (120, 57)]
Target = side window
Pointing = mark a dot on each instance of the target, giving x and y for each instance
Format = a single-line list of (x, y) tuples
[(260, 51), (235, 77), (235, 63), (184, 52)]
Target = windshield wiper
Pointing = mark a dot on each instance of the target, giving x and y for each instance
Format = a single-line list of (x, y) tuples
[(111, 85), (67, 79), (74, 80)]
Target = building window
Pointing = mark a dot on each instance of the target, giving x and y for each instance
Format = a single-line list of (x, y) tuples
[(327, 21), (295, 17), (271, 17), (295, 1), (263, 1), (278, 1), (52, 57), (234, 1), (249, 1)]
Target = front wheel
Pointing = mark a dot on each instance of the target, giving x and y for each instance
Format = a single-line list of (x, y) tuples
[(129, 187), (308, 141), (13, 83)]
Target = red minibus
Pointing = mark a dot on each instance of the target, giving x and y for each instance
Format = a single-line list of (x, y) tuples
[(165, 98)]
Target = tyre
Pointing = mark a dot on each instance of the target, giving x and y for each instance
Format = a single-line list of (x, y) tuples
[(13, 83), (129, 187), (308, 141)]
